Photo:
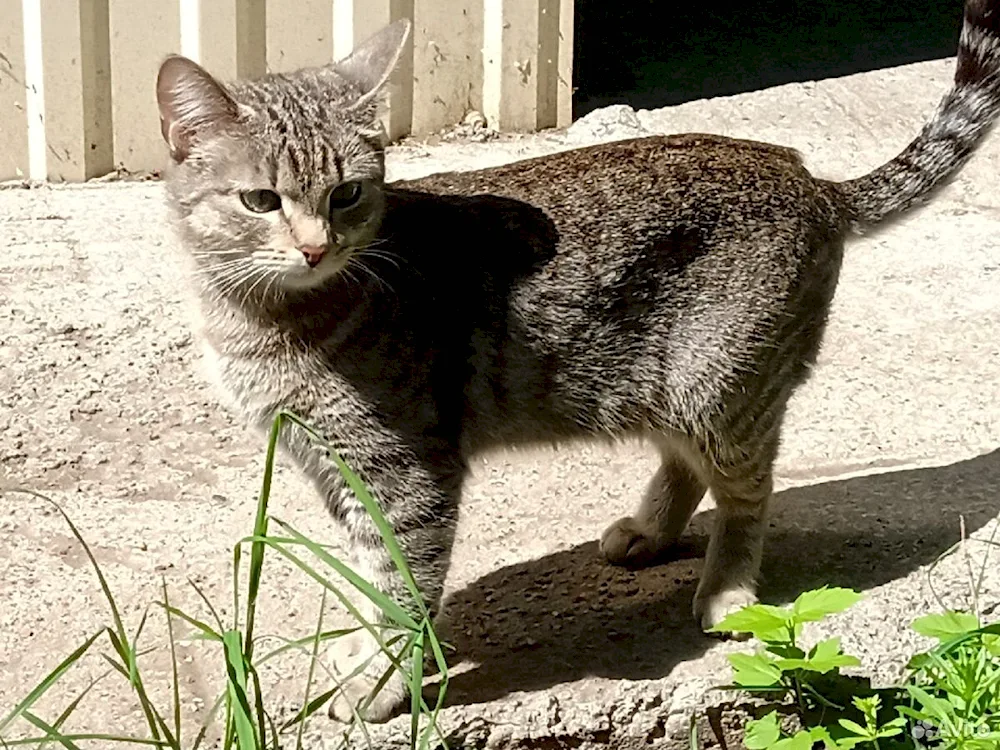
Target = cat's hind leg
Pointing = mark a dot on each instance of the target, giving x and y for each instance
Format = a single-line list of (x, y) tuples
[(666, 508), (741, 482)]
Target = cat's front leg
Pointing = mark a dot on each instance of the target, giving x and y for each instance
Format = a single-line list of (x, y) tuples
[(360, 660), (419, 498)]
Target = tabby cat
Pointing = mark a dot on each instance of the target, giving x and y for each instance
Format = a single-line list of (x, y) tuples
[(674, 288)]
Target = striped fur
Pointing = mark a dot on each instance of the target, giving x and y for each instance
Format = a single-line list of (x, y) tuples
[(675, 288), (963, 117)]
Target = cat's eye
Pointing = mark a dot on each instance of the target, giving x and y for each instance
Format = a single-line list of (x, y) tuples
[(345, 195), (261, 201)]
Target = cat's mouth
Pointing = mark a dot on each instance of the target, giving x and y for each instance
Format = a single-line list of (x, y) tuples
[(311, 265)]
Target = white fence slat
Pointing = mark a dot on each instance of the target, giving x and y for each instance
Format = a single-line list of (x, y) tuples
[(447, 62), (299, 34), (76, 67), (142, 33), (13, 113)]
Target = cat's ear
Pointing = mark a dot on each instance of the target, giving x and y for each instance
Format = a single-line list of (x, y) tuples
[(193, 106), (372, 62)]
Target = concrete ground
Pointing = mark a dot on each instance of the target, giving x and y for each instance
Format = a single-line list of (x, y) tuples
[(889, 449)]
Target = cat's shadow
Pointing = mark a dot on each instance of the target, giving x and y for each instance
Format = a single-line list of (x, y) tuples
[(570, 614)]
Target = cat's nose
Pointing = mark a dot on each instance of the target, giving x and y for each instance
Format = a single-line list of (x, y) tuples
[(313, 254)]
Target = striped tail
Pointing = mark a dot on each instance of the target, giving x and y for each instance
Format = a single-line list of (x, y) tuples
[(961, 120)]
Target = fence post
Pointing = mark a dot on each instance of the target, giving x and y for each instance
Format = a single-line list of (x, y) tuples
[(447, 62), (510, 63), (251, 38), (76, 69), (142, 33), (13, 112), (299, 34), (527, 58), (555, 64), (356, 20)]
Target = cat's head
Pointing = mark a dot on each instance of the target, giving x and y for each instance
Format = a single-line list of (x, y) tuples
[(277, 181)]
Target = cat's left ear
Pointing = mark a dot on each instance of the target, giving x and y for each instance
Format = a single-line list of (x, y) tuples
[(372, 62)]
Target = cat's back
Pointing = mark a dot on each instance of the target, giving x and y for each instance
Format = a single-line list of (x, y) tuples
[(706, 167)]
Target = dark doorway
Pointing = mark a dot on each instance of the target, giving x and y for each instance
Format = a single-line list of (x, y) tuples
[(653, 53)]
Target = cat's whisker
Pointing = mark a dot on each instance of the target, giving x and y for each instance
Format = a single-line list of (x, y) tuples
[(227, 273), (357, 261), (387, 255), (273, 287), (222, 282), (350, 277), (263, 274), (233, 281), (215, 253), (218, 269), (208, 267)]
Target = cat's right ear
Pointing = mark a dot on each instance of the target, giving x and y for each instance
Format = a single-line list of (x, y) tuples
[(193, 106)]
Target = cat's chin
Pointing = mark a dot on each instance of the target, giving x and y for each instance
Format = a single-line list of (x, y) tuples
[(304, 278)]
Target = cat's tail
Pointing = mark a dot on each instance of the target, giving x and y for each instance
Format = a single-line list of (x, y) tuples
[(961, 120)]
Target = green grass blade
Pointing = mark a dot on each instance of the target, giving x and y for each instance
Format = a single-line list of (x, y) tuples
[(205, 629), (129, 669), (260, 531), (416, 688), (83, 737), (153, 717), (442, 665), (300, 643), (134, 647), (50, 679), (310, 708), (237, 558), (261, 714), (174, 673), (237, 682), (275, 745), (390, 608), (345, 602), (314, 658), (371, 506), (115, 614), (203, 732), (119, 636), (51, 732), (68, 711), (211, 608)]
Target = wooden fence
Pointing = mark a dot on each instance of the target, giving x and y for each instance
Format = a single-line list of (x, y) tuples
[(77, 76)]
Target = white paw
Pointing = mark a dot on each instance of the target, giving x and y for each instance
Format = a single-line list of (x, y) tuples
[(625, 542), (710, 610), (352, 699)]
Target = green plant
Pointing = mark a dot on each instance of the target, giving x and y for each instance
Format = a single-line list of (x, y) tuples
[(784, 667), (954, 688), (950, 699), (405, 634)]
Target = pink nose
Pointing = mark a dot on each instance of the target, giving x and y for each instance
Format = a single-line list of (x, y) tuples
[(313, 254)]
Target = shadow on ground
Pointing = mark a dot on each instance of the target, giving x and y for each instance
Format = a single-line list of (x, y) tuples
[(650, 54), (570, 615)]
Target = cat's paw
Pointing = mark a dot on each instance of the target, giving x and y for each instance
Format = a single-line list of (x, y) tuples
[(711, 609), (352, 699), (626, 542)]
